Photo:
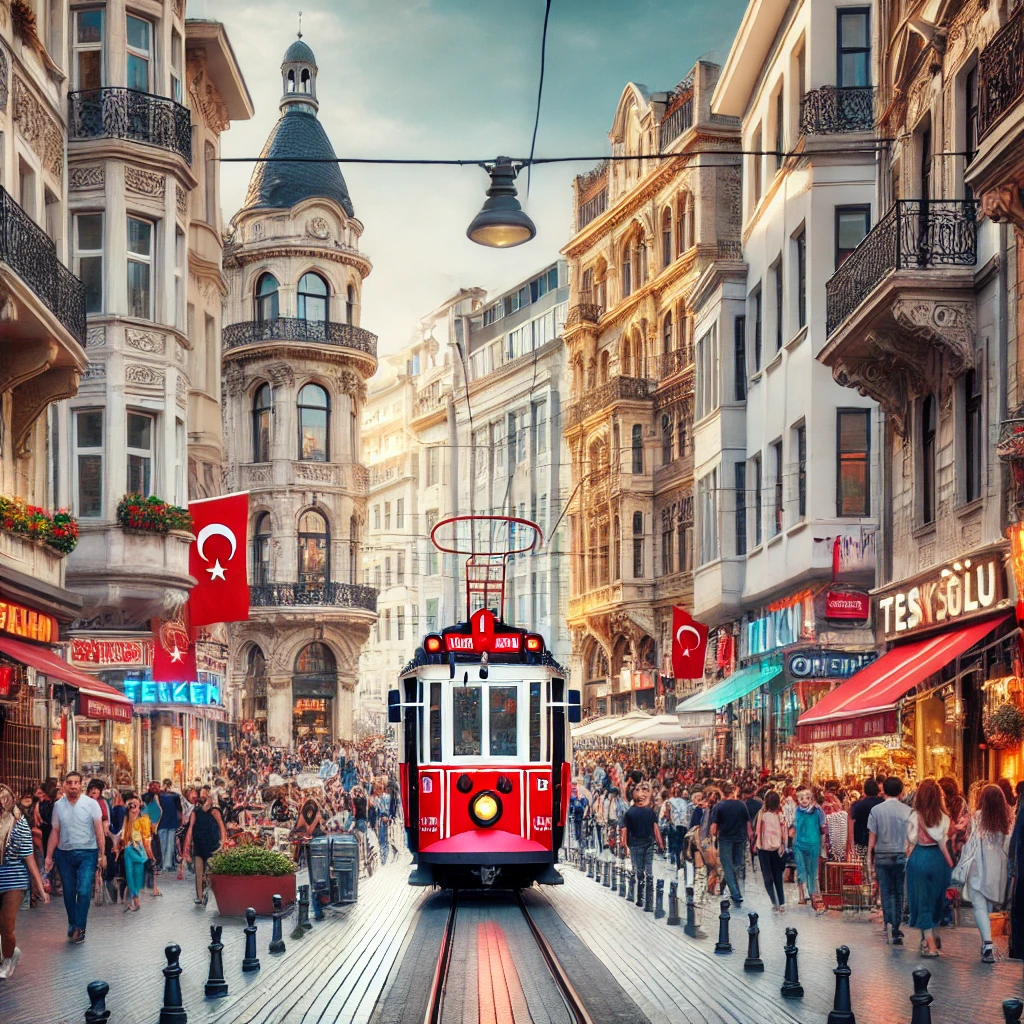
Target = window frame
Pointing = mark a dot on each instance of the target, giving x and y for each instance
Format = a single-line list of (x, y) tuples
[(739, 341), (146, 260), (326, 409), (974, 434), (758, 500), (259, 298), (850, 208), (147, 454), (637, 449), (303, 297), (256, 414), (800, 241), (90, 254), (89, 451), (148, 56), (260, 544), (842, 50), (865, 456), (91, 47), (522, 696), (300, 535), (778, 456), (801, 471), (740, 488)]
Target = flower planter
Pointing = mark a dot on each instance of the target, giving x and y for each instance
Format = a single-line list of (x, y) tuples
[(234, 893)]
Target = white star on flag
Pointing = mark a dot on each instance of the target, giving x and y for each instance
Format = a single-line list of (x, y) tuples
[(176, 654), (216, 571)]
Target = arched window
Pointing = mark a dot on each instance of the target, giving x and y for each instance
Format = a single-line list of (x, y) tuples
[(314, 421), (681, 240), (666, 237), (266, 298), (261, 537), (261, 424), (313, 298), (350, 305), (305, 80), (314, 550), (604, 366), (315, 659), (640, 263), (315, 677), (638, 448), (666, 334), (291, 81), (666, 439), (627, 270), (626, 361), (257, 663)]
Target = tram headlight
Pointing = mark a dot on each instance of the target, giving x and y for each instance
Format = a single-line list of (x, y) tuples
[(485, 809)]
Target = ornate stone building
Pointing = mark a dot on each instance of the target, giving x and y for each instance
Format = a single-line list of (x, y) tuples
[(647, 230), (295, 366)]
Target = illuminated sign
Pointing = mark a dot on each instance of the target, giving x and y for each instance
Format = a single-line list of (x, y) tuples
[(822, 664), (97, 707), (88, 651), (482, 637), (848, 605), (304, 704), (18, 620), (198, 694)]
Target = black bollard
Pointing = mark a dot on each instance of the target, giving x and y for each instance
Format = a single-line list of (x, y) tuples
[(649, 894), (631, 887), (172, 1012), (250, 962), (753, 961), (216, 986), (673, 903), (922, 1000), (611, 870), (97, 1012), (791, 987), (1012, 1010), (842, 1011), (622, 880), (304, 922), (276, 939), (723, 945), (659, 900), (641, 884), (590, 865), (691, 928)]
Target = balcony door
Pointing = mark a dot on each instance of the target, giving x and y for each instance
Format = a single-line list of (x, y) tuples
[(853, 48)]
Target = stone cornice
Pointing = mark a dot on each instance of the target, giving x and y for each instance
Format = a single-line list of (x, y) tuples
[(283, 249)]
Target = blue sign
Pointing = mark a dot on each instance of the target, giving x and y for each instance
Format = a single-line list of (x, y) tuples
[(200, 694)]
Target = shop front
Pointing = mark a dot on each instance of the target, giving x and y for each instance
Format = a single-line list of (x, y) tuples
[(925, 707)]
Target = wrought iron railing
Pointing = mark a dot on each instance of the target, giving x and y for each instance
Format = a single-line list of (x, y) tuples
[(679, 121), (584, 312), (27, 250), (913, 235), (831, 110), (674, 362), (331, 595), (321, 332), (591, 209), (118, 113), (1001, 73), (616, 389)]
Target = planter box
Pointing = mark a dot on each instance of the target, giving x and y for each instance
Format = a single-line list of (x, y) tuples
[(234, 893)]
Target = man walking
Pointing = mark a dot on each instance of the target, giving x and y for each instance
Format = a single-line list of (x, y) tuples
[(639, 834), (170, 820), (730, 823), (887, 840), (76, 842)]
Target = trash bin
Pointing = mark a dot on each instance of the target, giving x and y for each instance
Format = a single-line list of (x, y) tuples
[(344, 869), (319, 853)]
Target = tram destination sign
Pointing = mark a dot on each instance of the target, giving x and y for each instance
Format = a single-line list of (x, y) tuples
[(482, 636)]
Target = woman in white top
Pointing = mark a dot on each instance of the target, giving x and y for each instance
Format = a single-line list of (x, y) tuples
[(770, 834), (986, 855), (928, 863)]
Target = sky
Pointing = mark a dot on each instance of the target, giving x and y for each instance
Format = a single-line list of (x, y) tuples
[(457, 79)]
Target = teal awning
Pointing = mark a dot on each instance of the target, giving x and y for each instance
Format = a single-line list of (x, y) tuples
[(738, 685)]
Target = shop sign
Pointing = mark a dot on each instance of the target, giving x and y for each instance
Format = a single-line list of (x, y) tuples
[(88, 651), (819, 664), (97, 707), (954, 592), (785, 622), (27, 623), (847, 605), (248, 726), (7, 682), (864, 727), (199, 694), (304, 704)]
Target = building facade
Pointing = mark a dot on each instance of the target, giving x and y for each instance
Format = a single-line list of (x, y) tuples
[(648, 230), (295, 366)]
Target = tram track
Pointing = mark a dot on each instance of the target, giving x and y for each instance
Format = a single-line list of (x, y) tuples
[(574, 1005)]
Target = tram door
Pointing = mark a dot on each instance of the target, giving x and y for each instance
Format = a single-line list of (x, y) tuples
[(412, 731), (556, 727)]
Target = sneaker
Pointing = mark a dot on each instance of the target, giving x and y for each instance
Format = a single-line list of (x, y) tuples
[(78, 937), (8, 965), (897, 938), (988, 953)]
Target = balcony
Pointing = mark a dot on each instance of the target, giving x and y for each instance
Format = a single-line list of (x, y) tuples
[(671, 363), (618, 389), (1001, 74), (834, 111), (903, 297), (316, 332), (584, 313), (351, 476), (391, 469), (304, 595), (674, 471), (118, 113)]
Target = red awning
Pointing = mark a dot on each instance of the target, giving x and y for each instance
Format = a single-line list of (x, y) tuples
[(49, 664), (864, 705)]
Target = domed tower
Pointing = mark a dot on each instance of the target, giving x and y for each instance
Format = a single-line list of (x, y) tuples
[(295, 366)]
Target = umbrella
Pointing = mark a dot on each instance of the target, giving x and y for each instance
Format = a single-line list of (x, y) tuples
[(614, 727), (638, 728), (590, 727)]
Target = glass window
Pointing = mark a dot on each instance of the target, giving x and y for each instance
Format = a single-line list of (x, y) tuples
[(176, 70), (638, 545), (139, 33), (88, 50), (534, 721), (928, 459), (261, 550), (854, 48), (852, 224), (88, 263), (801, 477), (314, 419), (758, 499), (541, 415), (180, 463), (973, 440), (435, 722), (739, 340), (432, 552), (853, 450), (314, 549), (707, 500), (638, 448), (140, 261), (467, 721), (666, 237), (504, 725), (801, 278), (140, 453), (758, 315), (313, 298), (666, 439), (266, 298), (431, 613), (261, 411), (741, 508), (89, 459), (779, 305)]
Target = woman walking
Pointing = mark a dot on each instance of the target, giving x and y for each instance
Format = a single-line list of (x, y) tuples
[(770, 834), (986, 857), (206, 835), (928, 863), (17, 866), (808, 834), (135, 844)]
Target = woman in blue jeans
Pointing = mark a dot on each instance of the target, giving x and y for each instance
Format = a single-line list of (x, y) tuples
[(808, 834)]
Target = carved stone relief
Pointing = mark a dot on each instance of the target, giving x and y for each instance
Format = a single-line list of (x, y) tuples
[(318, 227), (145, 341), (182, 201), (233, 380), (31, 398), (181, 389), (95, 371), (1004, 204), (38, 129), (4, 80), (206, 99), (145, 376), (82, 178), (280, 374), (145, 182), (95, 337)]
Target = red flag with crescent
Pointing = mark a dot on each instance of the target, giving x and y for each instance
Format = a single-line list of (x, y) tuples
[(174, 649), (217, 559), (689, 645)]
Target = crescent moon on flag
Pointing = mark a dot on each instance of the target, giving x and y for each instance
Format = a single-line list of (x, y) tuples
[(220, 530), (685, 629)]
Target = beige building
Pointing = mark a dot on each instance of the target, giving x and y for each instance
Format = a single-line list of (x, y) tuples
[(647, 231), (295, 366)]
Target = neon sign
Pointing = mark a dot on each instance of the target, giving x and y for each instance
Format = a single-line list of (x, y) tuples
[(199, 694)]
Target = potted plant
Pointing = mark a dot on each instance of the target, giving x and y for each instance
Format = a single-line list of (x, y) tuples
[(247, 875), (152, 514)]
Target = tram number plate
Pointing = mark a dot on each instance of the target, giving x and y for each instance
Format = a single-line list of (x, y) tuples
[(459, 643), (428, 824), (506, 643), (541, 823)]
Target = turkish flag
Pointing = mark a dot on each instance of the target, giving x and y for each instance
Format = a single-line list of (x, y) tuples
[(174, 650), (217, 559), (689, 645)]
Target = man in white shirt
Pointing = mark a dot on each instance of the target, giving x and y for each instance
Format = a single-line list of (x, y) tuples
[(76, 842)]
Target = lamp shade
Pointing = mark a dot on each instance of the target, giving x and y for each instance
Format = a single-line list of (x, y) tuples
[(501, 222)]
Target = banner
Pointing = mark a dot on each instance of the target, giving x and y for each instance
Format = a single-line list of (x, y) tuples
[(689, 645), (174, 650), (217, 560)]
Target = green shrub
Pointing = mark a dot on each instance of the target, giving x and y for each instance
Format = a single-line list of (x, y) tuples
[(251, 860)]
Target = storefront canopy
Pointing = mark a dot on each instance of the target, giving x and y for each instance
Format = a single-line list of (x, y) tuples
[(614, 727), (55, 668), (701, 709), (865, 704), (589, 728), (663, 729)]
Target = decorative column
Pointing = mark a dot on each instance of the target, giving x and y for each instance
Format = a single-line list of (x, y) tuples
[(279, 710)]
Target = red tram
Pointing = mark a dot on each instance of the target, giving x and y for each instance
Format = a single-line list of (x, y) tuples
[(483, 714)]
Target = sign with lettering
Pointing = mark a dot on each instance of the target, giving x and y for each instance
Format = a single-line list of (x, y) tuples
[(785, 622), (89, 651), (865, 727), (27, 623), (816, 663), (198, 694), (97, 707), (304, 704), (847, 605), (954, 592)]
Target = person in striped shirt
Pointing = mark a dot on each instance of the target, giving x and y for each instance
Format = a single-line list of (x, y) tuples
[(17, 866)]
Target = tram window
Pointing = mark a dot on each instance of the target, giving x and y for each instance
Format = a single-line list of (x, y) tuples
[(503, 724), (467, 721), (435, 722), (534, 721)]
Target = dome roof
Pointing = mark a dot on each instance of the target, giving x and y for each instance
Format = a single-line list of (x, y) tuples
[(299, 51), (281, 185)]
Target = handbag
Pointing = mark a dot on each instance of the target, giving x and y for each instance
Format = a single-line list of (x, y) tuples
[(962, 871)]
